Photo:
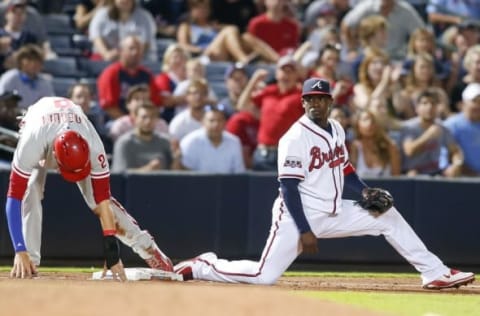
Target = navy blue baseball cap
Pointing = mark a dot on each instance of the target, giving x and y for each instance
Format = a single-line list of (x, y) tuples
[(315, 86)]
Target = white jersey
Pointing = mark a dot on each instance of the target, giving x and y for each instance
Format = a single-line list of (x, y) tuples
[(311, 154), (42, 123)]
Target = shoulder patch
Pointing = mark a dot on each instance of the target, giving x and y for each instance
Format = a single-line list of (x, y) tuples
[(293, 162)]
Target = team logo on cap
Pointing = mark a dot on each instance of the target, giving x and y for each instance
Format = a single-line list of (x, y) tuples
[(318, 85)]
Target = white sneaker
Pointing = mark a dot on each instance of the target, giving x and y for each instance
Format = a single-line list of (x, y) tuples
[(456, 279)]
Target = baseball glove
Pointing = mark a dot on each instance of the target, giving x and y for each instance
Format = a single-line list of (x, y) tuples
[(375, 200)]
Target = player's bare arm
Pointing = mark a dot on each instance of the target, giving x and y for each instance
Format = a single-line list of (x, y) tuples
[(244, 99), (309, 242), (413, 146), (110, 242)]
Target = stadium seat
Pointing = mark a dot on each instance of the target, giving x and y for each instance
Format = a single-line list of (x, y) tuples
[(162, 44), (61, 85), (62, 67), (215, 71), (154, 66), (62, 45), (69, 6), (92, 68), (220, 89), (58, 23)]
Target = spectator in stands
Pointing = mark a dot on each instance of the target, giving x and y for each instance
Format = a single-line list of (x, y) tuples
[(373, 152), (174, 71), (372, 33), (81, 95), (142, 149), (212, 149), (244, 125), (424, 136), (136, 95), (236, 78), (264, 32), (84, 12), (443, 13), (465, 127), (115, 80), (190, 119), (471, 63), (422, 41), (342, 115), (376, 80), (9, 111), (26, 78), (326, 68), (420, 77), (401, 17), (279, 105), (200, 35), (195, 71), (236, 12), (33, 24), (321, 13), (118, 20), (13, 35), (167, 15)]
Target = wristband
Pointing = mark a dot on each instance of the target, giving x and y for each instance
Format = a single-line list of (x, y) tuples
[(109, 232), (111, 250)]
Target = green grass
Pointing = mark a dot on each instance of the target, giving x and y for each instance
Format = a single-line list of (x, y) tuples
[(406, 304), (350, 274)]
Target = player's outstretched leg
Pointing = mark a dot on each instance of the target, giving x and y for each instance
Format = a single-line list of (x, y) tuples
[(435, 275), (280, 251)]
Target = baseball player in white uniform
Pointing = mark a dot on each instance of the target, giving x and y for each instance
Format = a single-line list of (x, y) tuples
[(313, 167), (55, 133)]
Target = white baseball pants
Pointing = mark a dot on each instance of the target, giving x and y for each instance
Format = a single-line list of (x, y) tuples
[(283, 245)]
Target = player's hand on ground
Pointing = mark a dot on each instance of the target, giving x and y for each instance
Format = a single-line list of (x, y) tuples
[(118, 272), (309, 242), (23, 267)]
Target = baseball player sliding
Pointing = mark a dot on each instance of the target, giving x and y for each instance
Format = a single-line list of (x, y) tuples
[(313, 166), (55, 133)]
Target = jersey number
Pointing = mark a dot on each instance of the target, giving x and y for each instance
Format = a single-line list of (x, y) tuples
[(63, 103)]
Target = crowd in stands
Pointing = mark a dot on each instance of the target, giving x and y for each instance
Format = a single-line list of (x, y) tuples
[(212, 85)]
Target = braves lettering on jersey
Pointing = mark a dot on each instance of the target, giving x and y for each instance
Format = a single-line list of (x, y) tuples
[(309, 153)]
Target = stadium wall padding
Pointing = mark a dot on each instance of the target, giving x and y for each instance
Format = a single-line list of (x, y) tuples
[(189, 214)]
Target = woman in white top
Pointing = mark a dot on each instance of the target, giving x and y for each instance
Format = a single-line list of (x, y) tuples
[(119, 19), (373, 152)]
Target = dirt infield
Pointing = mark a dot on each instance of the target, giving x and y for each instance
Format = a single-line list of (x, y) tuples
[(72, 294)]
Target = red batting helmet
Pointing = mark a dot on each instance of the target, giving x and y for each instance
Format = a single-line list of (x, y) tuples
[(72, 155)]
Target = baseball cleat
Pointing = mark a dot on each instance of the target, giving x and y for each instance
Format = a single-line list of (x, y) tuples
[(159, 260), (454, 279), (185, 267)]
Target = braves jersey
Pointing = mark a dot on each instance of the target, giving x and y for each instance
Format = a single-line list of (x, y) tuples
[(309, 153), (40, 126)]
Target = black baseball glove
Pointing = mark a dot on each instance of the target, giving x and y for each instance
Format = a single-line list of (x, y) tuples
[(375, 200)]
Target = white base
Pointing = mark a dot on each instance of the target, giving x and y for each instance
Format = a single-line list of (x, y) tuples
[(141, 274)]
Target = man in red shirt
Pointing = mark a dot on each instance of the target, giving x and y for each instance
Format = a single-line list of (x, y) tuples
[(279, 106), (273, 29), (116, 79)]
